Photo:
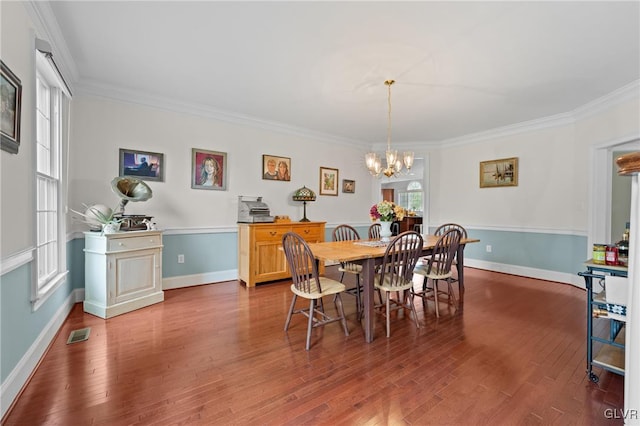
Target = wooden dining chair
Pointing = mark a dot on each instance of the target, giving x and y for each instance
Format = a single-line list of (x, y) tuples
[(308, 284), (348, 233), (441, 230), (395, 228), (374, 231), (395, 274), (438, 268)]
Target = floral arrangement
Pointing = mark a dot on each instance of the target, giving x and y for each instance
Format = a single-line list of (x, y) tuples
[(386, 211)]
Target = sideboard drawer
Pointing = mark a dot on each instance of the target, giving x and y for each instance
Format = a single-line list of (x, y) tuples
[(271, 234), (133, 243), (310, 233)]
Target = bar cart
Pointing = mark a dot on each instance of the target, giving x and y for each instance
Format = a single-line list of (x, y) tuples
[(611, 355)]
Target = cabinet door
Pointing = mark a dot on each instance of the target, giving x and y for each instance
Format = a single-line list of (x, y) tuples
[(270, 262), (133, 275)]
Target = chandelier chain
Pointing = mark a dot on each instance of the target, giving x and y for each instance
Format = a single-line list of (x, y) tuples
[(389, 83)]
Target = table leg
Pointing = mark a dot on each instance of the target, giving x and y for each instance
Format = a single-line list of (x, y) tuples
[(460, 266), (368, 272)]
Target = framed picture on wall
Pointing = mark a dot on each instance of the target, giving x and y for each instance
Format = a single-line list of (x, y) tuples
[(208, 169), (328, 181), (276, 168), (348, 186), (144, 165), (11, 98), (502, 172)]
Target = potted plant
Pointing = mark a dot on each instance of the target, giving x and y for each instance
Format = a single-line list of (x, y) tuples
[(99, 216)]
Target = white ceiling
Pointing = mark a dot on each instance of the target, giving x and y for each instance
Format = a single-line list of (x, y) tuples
[(460, 67)]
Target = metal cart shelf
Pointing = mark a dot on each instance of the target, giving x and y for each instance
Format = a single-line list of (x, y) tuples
[(611, 355)]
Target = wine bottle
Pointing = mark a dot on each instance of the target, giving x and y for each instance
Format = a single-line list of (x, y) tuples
[(623, 248)]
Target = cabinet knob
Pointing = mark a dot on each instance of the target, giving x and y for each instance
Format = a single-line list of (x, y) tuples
[(120, 244), (273, 233), (306, 231)]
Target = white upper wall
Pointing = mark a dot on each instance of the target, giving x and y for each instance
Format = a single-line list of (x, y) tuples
[(100, 127), (17, 178), (554, 170)]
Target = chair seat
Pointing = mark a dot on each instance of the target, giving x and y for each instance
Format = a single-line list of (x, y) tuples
[(328, 285), (386, 284), (351, 268), (421, 269)]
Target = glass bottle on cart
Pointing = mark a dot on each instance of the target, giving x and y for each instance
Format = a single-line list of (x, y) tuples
[(623, 248)]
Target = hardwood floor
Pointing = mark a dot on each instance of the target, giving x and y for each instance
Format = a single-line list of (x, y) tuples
[(514, 354)]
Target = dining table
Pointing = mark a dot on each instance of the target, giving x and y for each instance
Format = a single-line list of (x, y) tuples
[(369, 254)]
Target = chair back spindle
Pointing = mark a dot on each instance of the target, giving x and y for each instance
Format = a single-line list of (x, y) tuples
[(374, 231)]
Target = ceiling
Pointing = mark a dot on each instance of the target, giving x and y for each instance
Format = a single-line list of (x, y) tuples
[(460, 67)]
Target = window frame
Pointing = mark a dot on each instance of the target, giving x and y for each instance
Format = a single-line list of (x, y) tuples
[(43, 286), (408, 192)]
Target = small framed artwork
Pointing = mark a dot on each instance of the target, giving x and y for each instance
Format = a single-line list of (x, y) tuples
[(11, 98), (208, 169), (348, 186), (144, 165), (502, 172), (328, 181), (276, 168)]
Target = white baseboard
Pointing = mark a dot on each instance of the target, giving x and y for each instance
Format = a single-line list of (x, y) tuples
[(16, 380), (199, 279), (541, 274)]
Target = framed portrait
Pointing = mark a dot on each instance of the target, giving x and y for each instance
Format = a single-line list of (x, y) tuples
[(276, 168), (348, 186), (502, 172), (11, 98), (208, 169), (328, 181), (144, 165)]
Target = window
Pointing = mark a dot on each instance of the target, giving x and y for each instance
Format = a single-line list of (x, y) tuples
[(412, 198), (49, 215)]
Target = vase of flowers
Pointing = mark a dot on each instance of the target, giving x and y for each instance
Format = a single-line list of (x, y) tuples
[(386, 212)]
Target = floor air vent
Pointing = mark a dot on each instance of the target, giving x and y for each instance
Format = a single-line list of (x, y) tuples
[(79, 335)]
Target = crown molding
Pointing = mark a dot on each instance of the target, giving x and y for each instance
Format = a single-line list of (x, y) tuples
[(95, 89), (46, 26), (626, 93)]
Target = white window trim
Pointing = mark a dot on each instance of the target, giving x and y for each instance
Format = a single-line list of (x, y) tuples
[(40, 294)]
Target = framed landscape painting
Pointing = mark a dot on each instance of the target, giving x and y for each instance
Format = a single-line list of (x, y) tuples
[(328, 181), (502, 172), (11, 98)]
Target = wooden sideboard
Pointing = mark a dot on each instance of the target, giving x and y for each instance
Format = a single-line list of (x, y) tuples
[(408, 222), (260, 254)]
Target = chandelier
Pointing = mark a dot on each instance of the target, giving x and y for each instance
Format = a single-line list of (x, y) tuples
[(394, 164)]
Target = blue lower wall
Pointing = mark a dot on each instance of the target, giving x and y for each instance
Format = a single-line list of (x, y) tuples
[(551, 252)]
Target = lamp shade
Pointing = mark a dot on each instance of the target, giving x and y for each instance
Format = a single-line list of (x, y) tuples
[(304, 194)]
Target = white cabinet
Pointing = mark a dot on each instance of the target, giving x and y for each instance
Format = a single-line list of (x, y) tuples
[(123, 272)]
